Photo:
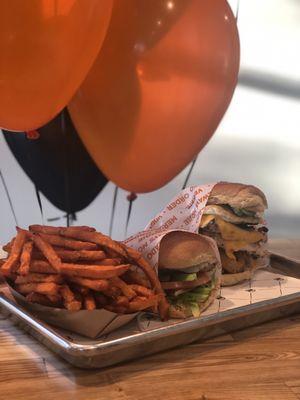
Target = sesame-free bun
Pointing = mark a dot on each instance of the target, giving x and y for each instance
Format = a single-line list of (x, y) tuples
[(180, 249), (227, 215), (233, 279), (238, 195)]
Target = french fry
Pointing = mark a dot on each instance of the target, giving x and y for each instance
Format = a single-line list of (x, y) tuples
[(67, 293), (94, 271), (48, 288), (97, 238), (121, 301), (111, 253), (86, 271), (112, 292), (47, 251), (137, 259), (77, 255), (136, 277), (69, 299), (110, 261), (142, 303), (41, 267), (54, 298), (7, 247), (56, 230), (144, 292), (42, 299), (141, 290), (56, 240), (89, 301), (94, 284), (14, 257), (125, 289), (38, 278), (81, 255), (25, 258)]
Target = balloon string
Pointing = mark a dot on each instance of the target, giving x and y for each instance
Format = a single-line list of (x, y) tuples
[(30, 162), (66, 171), (237, 11), (38, 196), (112, 217), (53, 219), (70, 217), (189, 173), (9, 198), (131, 197)]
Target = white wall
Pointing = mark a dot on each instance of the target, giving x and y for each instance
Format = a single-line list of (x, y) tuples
[(257, 142)]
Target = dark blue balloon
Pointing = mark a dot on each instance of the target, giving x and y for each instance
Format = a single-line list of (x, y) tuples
[(58, 164)]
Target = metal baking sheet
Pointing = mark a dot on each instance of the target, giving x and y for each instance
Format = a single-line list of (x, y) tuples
[(271, 294)]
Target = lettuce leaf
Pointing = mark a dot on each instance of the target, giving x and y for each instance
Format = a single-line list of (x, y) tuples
[(182, 276), (195, 310), (243, 212)]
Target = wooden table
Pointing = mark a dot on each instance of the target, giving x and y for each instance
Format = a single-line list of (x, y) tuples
[(259, 363)]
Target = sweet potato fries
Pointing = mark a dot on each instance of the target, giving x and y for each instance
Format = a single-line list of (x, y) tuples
[(78, 268)]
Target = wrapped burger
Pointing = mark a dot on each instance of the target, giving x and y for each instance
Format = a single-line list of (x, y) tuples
[(190, 271)]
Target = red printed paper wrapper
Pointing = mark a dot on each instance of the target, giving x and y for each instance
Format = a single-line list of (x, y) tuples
[(183, 213)]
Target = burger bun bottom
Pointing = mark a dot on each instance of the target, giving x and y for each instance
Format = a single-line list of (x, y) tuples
[(234, 279)]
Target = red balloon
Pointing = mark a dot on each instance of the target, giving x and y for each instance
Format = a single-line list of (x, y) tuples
[(158, 89), (47, 48)]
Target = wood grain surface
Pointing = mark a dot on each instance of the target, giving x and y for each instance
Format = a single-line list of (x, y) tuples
[(261, 363)]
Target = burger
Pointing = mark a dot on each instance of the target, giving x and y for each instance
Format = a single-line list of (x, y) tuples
[(234, 218), (189, 270)]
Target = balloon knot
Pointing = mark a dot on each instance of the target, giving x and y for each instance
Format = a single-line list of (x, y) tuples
[(132, 196), (32, 135)]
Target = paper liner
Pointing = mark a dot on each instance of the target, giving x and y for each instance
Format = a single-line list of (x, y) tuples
[(183, 213), (91, 324), (266, 284)]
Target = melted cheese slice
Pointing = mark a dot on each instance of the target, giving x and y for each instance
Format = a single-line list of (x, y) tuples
[(236, 238), (231, 246), (233, 232)]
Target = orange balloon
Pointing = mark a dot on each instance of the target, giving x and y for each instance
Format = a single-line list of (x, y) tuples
[(158, 89), (47, 48)]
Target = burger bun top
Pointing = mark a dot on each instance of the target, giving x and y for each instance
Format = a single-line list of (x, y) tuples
[(184, 250), (238, 195)]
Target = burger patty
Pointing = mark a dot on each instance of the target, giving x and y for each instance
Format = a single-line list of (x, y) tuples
[(212, 227), (240, 264), (212, 231)]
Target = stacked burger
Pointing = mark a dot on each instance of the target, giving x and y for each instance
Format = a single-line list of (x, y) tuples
[(189, 269), (234, 218)]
